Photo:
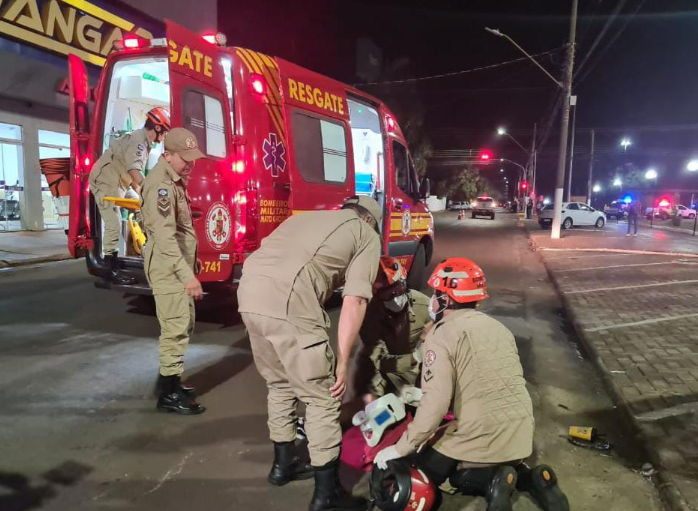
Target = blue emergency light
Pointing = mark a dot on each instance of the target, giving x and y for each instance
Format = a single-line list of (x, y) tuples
[(627, 199)]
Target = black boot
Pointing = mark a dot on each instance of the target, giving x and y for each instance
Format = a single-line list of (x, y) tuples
[(173, 399), (541, 483), (501, 487), (187, 388), (287, 465), (329, 494), (495, 483), (115, 276)]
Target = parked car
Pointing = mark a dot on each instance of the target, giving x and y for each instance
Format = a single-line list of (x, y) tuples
[(686, 212), (458, 205), (573, 214), (483, 206), (617, 210)]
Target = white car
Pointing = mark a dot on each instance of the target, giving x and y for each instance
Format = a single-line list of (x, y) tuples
[(573, 213), (685, 212)]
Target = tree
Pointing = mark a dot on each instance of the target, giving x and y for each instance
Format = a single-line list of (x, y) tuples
[(464, 184), (632, 177)]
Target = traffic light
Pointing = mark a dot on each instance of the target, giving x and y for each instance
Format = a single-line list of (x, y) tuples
[(524, 185), (485, 156)]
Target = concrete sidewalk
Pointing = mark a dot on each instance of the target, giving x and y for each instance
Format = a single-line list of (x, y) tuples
[(30, 247), (637, 317)]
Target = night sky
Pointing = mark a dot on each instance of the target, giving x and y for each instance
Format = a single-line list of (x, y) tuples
[(643, 85)]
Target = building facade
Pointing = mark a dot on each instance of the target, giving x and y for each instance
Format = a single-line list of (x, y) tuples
[(36, 37)]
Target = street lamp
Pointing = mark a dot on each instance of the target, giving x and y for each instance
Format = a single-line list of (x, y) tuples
[(692, 166), (617, 182), (501, 131), (651, 174), (596, 189), (625, 143)]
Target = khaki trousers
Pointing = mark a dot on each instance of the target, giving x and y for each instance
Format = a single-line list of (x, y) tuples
[(380, 372), (176, 316), (111, 215), (297, 366)]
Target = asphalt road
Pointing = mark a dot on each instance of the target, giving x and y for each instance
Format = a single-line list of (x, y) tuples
[(78, 429)]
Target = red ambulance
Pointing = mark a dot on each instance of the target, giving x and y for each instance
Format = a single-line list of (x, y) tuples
[(279, 140)]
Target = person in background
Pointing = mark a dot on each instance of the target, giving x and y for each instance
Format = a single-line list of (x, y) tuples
[(634, 211), (119, 169)]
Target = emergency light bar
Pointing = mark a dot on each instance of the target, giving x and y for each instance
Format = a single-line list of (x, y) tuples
[(219, 38), (133, 42)]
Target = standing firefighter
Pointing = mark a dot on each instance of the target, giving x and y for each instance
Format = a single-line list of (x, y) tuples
[(119, 168), (391, 333), (283, 288), (472, 364), (170, 262)]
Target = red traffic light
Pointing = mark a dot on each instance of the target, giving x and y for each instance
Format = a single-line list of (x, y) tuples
[(524, 185), (485, 156)]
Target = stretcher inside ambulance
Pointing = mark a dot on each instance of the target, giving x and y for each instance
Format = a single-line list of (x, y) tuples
[(279, 140)]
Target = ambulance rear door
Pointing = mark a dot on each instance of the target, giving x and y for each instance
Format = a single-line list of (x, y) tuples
[(198, 73), (80, 156), (321, 167)]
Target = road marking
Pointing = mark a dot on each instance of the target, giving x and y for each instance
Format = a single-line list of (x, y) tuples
[(643, 322), (619, 251), (638, 286), (622, 266)]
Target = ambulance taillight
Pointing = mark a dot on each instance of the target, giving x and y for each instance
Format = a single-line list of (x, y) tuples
[(258, 85), (240, 216), (239, 166)]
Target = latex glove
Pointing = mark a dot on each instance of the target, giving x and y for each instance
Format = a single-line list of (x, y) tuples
[(411, 395), (387, 454)]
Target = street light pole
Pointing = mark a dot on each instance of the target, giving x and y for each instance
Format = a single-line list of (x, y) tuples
[(564, 125), (591, 168), (574, 130)]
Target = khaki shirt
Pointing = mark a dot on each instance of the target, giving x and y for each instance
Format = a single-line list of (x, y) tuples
[(128, 152), (301, 263), (471, 365), (169, 255), (402, 332)]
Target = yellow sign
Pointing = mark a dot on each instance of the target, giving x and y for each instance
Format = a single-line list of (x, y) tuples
[(306, 93), (66, 26), (194, 60)]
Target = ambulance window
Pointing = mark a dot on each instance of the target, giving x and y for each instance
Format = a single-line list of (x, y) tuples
[(402, 168), (320, 147), (204, 116)]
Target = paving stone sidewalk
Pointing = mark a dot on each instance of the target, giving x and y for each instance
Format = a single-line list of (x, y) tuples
[(637, 316), (27, 247)]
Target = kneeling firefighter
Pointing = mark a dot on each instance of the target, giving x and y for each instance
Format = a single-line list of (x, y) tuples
[(471, 360), (391, 333)]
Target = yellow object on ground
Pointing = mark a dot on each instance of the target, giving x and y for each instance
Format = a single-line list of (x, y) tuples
[(582, 433), (131, 204), (137, 235)]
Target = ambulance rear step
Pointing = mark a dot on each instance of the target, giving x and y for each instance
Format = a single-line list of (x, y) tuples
[(135, 289)]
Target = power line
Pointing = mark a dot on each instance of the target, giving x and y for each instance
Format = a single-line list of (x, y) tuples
[(611, 42), (457, 73), (596, 42)]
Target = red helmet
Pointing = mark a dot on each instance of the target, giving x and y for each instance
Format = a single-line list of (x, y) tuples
[(401, 487), (160, 116), (392, 279), (461, 279)]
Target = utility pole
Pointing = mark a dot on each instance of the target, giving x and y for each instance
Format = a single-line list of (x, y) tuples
[(574, 131), (564, 125), (591, 169)]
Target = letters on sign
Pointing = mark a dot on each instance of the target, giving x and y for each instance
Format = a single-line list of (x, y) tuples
[(306, 93), (194, 60)]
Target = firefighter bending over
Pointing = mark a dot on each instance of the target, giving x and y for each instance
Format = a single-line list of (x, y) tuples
[(283, 289), (119, 168), (472, 364), (391, 334)]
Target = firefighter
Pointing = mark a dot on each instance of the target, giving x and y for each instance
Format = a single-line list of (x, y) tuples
[(391, 333), (171, 265), (471, 360), (118, 169), (283, 288)]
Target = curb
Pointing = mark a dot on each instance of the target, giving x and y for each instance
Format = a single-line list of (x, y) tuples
[(35, 260), (666, 487)]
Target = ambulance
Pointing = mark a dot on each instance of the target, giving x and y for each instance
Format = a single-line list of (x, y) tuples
[(279, 140)]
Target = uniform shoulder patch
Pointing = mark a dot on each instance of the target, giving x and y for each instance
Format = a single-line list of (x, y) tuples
[(429, 358), (164, 205), (141, 147), (162, 192), (428, 375)]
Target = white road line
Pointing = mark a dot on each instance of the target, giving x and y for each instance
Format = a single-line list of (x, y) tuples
[(619, 251), (630, 287), (643, 322), (620, 266)]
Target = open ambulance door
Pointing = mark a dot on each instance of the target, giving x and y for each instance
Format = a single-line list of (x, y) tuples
[(80, 157), (199, 102), (321, 164)]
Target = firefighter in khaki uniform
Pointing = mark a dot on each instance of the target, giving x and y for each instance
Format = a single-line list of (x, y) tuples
[(472, 364), (391, 334), (170, 263), (119, 168), (283, 288)]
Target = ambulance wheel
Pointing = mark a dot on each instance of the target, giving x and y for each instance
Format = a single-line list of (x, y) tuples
[(415, 279)]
